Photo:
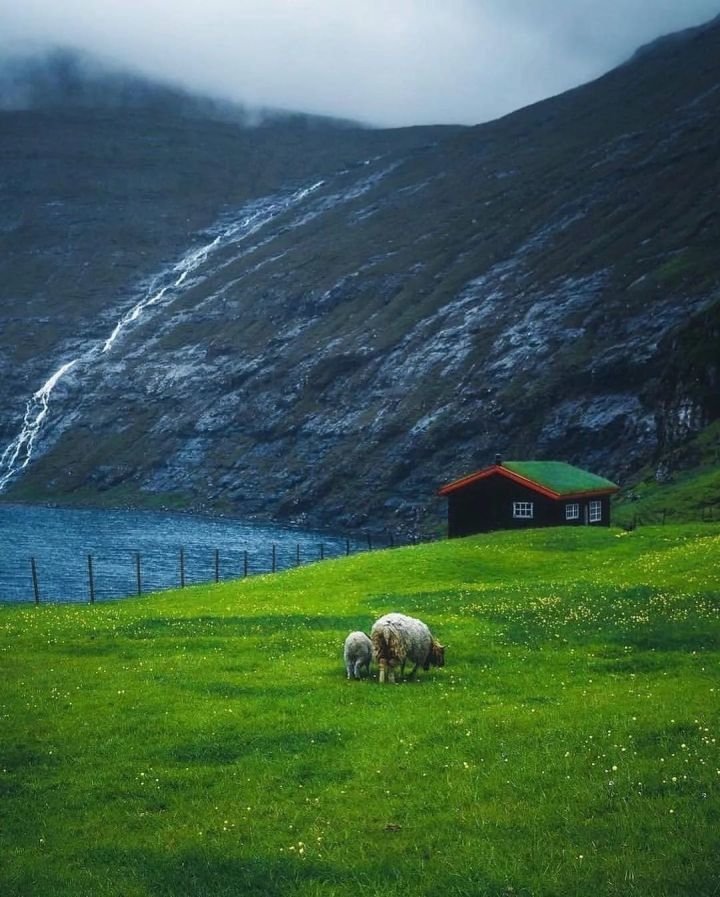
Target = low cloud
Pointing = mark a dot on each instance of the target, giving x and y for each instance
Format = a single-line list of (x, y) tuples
[(399, 63)]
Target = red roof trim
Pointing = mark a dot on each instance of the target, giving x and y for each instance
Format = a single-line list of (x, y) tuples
[(517, 478)]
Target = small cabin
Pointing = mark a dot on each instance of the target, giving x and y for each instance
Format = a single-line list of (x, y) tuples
[(522, 494)]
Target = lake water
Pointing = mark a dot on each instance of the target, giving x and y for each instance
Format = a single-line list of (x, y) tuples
[(60, 540)]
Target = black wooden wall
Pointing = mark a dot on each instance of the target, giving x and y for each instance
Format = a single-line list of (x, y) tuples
[(488, 505)]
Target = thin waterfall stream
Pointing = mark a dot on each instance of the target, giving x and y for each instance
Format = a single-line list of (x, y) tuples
[(17, 455)]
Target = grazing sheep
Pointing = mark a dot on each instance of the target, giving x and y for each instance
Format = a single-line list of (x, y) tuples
[(397, 639), (358, 654)]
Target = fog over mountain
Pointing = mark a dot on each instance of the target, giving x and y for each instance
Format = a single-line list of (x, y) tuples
[(407, 62), (317, 322), (63, 80)]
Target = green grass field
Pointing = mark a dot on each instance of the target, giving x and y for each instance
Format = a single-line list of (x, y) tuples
[(206, 741)]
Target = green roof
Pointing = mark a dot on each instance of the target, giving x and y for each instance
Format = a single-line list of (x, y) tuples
[(558, 476)]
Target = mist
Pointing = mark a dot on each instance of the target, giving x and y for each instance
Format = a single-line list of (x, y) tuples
[(390, 64)]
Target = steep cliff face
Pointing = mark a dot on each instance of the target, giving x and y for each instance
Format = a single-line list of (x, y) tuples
[(689, 387), (346, 318)]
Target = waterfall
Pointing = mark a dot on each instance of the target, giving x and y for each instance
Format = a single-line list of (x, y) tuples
[(17, 455), (172, 282)]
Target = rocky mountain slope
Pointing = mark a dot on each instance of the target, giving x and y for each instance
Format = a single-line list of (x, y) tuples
[(313, 321)]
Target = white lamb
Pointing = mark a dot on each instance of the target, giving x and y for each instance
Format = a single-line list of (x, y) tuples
[(397, 639), (358, 654)]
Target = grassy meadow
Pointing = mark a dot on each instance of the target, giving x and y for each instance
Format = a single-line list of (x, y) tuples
[(205, 741)]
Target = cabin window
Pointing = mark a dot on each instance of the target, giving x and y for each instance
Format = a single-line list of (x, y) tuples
[(523, 509), (572, 511), (595, 511)]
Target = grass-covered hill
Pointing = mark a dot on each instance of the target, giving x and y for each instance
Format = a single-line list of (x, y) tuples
[(545, 285), (206, 741), (683, 487)]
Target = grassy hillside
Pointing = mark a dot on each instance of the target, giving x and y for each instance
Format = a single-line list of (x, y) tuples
[(690, 493), (545, 285), (206, 741)]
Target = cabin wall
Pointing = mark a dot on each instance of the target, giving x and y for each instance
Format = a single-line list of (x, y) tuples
[(488, 505)]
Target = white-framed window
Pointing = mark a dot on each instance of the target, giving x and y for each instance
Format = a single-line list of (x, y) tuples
[(595, 511), (523, 509), (572, 511)]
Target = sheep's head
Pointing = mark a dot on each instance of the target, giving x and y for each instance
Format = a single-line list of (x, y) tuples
[(437, 654)]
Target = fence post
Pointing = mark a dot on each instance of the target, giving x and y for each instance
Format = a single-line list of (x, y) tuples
[(322, 551), (274, 558), (347, 546), (297, 555), (91, 580), (138, 576), (182, 568), (36, 589), (217, 565), (369, 541), (245, 564)]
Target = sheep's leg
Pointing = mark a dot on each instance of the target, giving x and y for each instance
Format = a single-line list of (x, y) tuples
[(413, 671), (358, 668), (348, 667)]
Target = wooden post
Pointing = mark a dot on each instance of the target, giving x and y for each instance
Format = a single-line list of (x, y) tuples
[(91, 582), (36, 588), (182, 568), (297, 555), (274, 558), (138, 574), (217, 565), (369, 541), (245, 564), (322, 551)]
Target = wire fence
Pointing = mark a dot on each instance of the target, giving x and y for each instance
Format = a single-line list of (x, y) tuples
[(709, 513), (121, 572)]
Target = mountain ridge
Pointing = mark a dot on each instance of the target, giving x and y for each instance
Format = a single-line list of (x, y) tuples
[(66, 78), (521, 286)]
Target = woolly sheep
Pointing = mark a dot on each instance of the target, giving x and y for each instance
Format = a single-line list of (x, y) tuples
[(358, 654), (397, 639)]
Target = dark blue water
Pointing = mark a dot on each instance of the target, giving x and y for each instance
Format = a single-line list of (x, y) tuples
[(60, 540)]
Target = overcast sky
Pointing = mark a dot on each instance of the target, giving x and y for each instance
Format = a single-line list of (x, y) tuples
[(386, 62)]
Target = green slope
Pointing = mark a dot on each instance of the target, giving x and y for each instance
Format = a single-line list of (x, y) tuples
[(688, 488), (206, 741), (541, 285)]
